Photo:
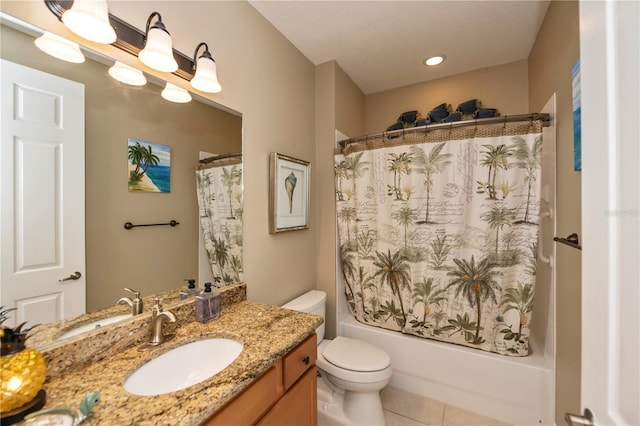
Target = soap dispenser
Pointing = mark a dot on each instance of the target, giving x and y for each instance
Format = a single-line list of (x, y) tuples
[(190, 291), (207, 305)]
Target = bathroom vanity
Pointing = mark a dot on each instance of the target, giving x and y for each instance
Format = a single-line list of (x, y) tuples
[(272, 381), (284, 394)]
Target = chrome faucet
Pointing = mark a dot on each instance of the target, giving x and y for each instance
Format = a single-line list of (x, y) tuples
[(158, 317), (135, 304)]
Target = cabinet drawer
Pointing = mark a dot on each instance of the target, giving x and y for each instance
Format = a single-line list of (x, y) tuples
[(299, 360)]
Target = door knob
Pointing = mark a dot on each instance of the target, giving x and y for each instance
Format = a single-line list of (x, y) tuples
[(576, 419), (75, 276)]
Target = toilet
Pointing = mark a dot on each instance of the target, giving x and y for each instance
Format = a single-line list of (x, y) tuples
[(351, 372)]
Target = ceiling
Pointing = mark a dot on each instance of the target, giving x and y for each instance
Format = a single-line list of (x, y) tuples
[(381, 45)]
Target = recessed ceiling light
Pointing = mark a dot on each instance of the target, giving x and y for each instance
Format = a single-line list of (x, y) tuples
[(434, 60)]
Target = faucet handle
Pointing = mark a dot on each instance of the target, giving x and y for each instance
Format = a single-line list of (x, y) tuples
[(158, 305), (135, 293)]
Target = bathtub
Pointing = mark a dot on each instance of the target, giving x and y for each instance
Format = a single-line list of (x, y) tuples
[(516, 390)]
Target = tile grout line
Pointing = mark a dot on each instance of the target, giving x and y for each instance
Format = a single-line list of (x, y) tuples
[(406, 417)]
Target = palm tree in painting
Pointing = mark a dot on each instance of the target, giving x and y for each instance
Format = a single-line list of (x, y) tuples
[(426, 293), (497, 218), (518, 299), (529, 160), (346, 216), (429, 165), (476, 281), (405, 217), (136, 156), (341, 172), (399, 165), (148, 159), (495, 157), (393, 269)]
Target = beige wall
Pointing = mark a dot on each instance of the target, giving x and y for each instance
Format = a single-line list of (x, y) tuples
[(555, 51), (147, 260), (503, 87), (264, 77), (339, 105), (350, 105)]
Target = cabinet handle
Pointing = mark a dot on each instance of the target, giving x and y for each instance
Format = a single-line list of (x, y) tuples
[(306, 360)]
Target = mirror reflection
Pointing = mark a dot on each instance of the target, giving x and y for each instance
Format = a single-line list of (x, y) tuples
[(148, 260)]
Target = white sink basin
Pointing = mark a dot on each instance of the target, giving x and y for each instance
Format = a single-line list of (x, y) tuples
[(182, 367), (93, 325)]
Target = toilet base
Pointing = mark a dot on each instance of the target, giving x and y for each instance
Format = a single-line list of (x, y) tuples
[(339, 407)]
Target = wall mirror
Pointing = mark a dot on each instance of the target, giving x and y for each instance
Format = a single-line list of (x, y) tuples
[(151, 260)]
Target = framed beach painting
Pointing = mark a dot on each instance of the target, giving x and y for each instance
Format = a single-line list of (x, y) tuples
[(288, 193), (149, 167), (577, 120)]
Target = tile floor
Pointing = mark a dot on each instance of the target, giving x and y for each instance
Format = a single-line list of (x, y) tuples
[(402, 408)]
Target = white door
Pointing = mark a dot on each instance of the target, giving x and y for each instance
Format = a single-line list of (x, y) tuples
[(610, 91), (42, 195)]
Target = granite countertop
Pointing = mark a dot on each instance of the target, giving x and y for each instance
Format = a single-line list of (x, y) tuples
[(46, 334), (267, 332)]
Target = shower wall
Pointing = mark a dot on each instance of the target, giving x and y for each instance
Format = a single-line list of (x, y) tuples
[(555, 51)]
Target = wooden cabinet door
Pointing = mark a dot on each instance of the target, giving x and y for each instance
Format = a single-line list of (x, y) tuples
[(298, 406), (246, 408)]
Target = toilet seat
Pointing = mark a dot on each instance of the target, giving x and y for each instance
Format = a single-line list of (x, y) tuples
[(356, 355), (382, 374)]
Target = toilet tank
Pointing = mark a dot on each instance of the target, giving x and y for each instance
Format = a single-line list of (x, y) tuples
[(312, 302)]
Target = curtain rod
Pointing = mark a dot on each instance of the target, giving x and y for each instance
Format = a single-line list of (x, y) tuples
[(543, 117), (220, 157)]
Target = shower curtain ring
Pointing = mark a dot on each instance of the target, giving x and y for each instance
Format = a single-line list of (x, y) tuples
[(504, 125)]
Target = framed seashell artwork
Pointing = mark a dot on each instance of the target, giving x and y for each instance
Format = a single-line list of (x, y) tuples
[(288, 193)]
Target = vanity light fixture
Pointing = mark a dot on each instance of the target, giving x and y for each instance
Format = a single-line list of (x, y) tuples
[(206, 78), (173, 93), (90, 19), (134, 41), (127, 75), (434, 60), (60, 48), (158, 48)]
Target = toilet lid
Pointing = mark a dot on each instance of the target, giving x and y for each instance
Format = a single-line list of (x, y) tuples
[(356, 355)]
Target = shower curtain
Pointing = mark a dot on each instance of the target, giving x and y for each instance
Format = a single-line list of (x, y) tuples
[(438, 233), (219, 189)]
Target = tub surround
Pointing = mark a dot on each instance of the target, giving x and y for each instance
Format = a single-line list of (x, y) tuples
[(267, 333)]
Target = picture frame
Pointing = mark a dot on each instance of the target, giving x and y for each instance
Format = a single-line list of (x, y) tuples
[(289, 187)]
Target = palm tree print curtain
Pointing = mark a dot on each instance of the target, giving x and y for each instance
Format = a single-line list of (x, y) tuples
[(219, 189), (438, 238)]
